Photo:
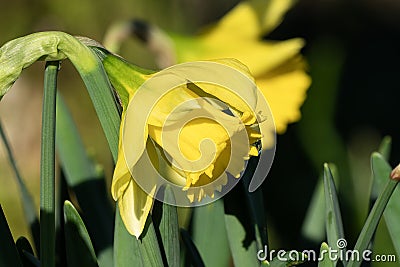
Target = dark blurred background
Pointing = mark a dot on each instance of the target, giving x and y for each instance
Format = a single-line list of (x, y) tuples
[(352, 49)]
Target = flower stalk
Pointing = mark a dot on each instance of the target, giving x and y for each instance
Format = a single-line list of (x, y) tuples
[(47, 167)]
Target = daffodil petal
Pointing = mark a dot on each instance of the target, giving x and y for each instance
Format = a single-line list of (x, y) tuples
[(241, 20), (134, 206), (121, 174), (121, 179), (285, 93), (270, 12), (260, 56)]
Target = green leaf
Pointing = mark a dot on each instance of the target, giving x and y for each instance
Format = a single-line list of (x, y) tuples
[(79, 247), (78, 167), (192, 252), (87, 183), (27, 200), (24, 248), (313, 227), (326, 261), (169, 228), (47, 167), (334, 225), (255, 202), (208, 223), (384, 150), (149, 248), (243, 253), (33, 261), (385, 147), (8, 253), (126, 246), (381, 171), (375, 214)]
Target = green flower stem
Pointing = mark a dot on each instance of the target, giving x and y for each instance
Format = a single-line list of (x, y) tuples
[(47, 167), (20, 53), (373, 220)]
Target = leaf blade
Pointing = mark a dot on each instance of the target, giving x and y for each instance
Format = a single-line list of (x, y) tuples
[(169, 228), (80, 251), (208, 221), (381, 170), (242, 256), (333, 219), (126, 246)]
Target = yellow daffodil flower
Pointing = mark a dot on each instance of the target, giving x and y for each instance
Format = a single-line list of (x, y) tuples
[(175, 129)]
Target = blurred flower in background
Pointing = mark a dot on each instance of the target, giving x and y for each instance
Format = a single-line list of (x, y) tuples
[(278, 67)]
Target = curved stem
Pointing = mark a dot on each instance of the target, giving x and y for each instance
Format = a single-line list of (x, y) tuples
[(20, 53)]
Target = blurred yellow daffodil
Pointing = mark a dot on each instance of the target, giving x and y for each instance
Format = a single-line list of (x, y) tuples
[(277, 66)]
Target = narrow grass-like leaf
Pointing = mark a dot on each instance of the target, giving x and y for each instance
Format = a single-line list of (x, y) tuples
[(313, 227), (372, 221), (100, 91), (244, 254), (255, 202), (324, 254), (192, 251), (169, 228), (33, 261), (8, 253), (27, 200), (208, 222), (381, 171), (24, 247), (385, 147), (77, 166), (126, 246), (384, 150), (149, 248), (79, 247), (47, 167), (333, 220), (87, 184)]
